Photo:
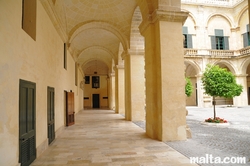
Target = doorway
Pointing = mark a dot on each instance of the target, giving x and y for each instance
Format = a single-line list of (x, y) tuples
[(70, 109), (51, 113), (96, 101), (27, 122)]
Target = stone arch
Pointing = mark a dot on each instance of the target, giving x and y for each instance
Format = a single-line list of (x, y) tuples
[(221, 15), (98, 25), (136, 39), (228, 64), (190, 15), (145, 8), (100, 48), (95, 59), (106, 58), (192, 74), (194, 64), (245, 71), (239, 17), (232, 69), (244, 66)]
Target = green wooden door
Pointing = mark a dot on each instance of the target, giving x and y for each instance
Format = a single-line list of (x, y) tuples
[(51, 114), (96, 101), (27, 122)]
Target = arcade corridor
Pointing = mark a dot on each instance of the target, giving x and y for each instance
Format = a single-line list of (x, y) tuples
[(101, 137)]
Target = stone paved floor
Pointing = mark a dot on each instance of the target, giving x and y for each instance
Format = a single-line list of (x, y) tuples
[(231, 141), (103, 138)]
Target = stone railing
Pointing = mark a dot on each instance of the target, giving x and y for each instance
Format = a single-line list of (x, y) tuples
[(225, 3), (191, 52), (221, 53), (216, 53), (244, 51)]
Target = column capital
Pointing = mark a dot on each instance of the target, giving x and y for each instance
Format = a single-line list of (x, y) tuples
[(124, 54), (198, 75), (138, 52), (119, 66), (111, 74), (163, 15), (241, 75)]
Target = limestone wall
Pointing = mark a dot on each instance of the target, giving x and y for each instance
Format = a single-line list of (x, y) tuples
[(39, 61), (102, 91)]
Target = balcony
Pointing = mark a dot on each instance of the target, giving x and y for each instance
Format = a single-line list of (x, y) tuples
[(217, 53), (220, 3)]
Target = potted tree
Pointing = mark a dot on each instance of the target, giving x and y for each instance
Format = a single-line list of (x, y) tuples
[(188, 87), (218, 82)]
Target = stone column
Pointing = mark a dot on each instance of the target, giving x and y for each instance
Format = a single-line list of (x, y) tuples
[(200, 91), (119, 89), (134, 86), (112, 91), (164, 72), (241, 100)]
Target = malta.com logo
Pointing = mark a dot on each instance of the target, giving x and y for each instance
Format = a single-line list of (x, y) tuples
[(210, 159)]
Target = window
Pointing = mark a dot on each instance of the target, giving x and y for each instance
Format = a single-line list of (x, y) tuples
[(219, 41), (95, 82), (246, 38), (187, 43), (29, 18), (86, 79)]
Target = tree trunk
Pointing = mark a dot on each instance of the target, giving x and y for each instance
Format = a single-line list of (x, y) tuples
[(214, 103)]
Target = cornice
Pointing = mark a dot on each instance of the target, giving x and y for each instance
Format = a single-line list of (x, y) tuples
[(162, 15)]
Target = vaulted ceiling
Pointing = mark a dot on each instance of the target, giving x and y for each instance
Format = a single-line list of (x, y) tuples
[(95, 30)]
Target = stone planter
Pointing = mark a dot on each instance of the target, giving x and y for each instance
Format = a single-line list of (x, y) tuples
[(215, 124)]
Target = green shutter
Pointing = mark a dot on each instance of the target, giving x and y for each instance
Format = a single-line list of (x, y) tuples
[(245, 39), (27, 122), (189, 41), (226, 43), (184, 30), (218, 32), (213, 43)]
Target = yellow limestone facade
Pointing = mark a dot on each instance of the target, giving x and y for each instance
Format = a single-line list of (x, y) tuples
[(39, 61), (135, 48)]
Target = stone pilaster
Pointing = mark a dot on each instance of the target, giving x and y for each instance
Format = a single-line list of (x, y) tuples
[(200, 91), (112, 91), (134, 86), (242, 99), (164, 72), (119, 89)]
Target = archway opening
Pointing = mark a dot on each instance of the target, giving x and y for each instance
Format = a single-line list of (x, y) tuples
[(191, 74), (96, 85), (223, 100)]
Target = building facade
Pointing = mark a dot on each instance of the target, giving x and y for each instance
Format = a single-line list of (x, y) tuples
[(58, 57), (217, 32), (62, 56)]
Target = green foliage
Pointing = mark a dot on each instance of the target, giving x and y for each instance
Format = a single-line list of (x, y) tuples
[(220, 82), (188, 87)]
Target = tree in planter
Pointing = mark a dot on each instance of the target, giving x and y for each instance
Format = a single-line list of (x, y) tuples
[(218, 82), (188, 87)]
